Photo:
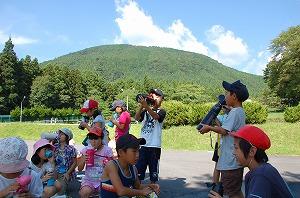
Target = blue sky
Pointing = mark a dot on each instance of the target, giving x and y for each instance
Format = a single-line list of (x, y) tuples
[(236, 33)]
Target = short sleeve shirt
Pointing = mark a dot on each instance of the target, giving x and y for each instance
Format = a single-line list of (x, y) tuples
[(236, 119), (123, 119)]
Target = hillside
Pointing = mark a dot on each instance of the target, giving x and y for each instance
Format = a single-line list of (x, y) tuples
[(127, 61)]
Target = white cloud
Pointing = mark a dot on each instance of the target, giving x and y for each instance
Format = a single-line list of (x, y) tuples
[(257, 64), (231, 50), (17, 40), (138, 28)]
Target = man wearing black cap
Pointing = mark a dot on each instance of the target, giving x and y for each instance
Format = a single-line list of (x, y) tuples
[(152, 121)]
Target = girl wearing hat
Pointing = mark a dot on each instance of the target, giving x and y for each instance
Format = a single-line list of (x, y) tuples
[(42, 162), (124, 119), (13, 167), (65, 158), (263, 180), (100, 153)]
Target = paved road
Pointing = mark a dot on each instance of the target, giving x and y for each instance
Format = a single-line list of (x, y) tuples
[(183, 173)]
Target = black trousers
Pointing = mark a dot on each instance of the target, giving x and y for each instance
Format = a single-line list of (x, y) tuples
[(149, 156)]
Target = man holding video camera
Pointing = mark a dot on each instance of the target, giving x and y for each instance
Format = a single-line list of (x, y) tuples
[(151, 116)]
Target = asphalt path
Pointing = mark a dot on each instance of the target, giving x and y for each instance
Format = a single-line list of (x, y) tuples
[(183, 173)]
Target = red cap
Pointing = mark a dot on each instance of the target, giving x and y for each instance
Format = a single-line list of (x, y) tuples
[(89, 104), (96, 130), (254, 136)]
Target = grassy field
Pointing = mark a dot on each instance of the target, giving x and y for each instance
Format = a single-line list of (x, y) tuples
[(284, 136)]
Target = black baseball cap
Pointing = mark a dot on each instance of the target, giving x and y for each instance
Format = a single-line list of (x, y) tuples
[(129, 141), (157, 92), (238, 88)]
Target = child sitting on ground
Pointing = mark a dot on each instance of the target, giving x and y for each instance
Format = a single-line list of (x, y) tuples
[(65, 158), (263, 180), (13, 166), (120, 176), (42, 162), (91, 181)]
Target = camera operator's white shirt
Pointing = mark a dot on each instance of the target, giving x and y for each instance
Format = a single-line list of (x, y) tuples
[(152, 129)]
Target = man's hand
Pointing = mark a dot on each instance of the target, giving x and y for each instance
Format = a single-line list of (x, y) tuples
[(213, 194), (143, 102), (205, 129)]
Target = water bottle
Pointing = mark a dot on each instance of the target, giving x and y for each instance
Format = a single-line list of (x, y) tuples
[(23, 182), (90, 153), (110, 123), (152, 195), (48, 154)]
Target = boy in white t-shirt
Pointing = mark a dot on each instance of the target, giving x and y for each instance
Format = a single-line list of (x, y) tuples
[(152, 118)]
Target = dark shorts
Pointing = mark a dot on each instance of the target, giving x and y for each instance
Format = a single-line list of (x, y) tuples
[(149, 156), (215, 157), (232, 181)]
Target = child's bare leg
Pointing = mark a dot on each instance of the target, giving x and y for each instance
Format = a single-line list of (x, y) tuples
[(85, 192)]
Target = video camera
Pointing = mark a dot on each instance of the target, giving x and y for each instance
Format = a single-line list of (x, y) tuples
[(147, 98), (213, 113)]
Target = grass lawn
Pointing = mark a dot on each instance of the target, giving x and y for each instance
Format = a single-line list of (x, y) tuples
[(284, 136)]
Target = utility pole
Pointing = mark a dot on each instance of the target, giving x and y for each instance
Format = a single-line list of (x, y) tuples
[(22, 108)]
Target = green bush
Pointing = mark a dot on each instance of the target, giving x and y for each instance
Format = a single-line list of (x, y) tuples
[(256, 113), (197, 112), (177, 113), (15, 114), (292, 114)]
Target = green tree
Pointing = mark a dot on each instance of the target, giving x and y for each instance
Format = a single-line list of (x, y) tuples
[(58, 87), (30, 70), (282, 73), (9, 98)]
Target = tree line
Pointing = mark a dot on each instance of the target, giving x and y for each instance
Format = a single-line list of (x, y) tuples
[(55, 86)]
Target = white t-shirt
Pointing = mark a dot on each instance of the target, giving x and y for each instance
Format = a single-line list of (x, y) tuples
[(152, 128), (35, 187)]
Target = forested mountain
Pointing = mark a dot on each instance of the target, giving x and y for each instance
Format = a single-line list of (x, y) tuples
[(163, 64)]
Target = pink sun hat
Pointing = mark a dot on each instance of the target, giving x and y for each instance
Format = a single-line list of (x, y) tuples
[(40, 143), (13, 153)]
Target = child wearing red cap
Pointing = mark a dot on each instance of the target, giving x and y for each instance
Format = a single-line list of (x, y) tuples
[(92, 179), (91, 110), (263, 180)]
